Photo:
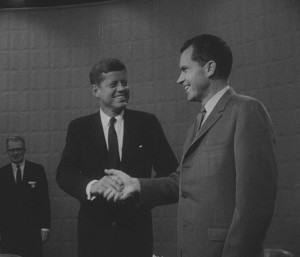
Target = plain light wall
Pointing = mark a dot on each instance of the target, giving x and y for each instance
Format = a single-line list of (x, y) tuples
[(46, 55)]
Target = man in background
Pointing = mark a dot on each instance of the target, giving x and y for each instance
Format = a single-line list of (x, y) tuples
[(24, 203), (227, 174), (113, 137)]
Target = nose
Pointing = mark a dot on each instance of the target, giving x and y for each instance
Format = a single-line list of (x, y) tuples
[(121, 86), (180, 79)]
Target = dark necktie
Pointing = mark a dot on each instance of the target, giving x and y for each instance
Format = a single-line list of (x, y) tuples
[(113, 147), (200, 117), (19, 175)]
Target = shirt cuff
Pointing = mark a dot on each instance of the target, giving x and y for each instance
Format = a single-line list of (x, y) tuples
[(45, 229), (88, 190)]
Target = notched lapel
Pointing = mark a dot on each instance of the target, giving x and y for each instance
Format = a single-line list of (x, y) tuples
[(190, 136), (26, 173), (212, 118), (97, 135), (131, 132), (10, 175)]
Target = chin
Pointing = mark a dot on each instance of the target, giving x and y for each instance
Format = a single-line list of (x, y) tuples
[(120, 107), (191, 98), (17, 161)]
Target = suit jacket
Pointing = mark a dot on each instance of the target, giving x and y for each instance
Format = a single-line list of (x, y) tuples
[(227, 182), (108, 229), (24, 210)]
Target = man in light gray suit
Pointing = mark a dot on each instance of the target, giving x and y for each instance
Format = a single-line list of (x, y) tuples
[(227, 174)]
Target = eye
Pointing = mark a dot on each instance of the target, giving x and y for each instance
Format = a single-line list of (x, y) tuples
[(113, 84), (124, 83), (184, 69)]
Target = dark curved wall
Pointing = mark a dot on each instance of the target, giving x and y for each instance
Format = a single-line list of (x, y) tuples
[(45, 57)]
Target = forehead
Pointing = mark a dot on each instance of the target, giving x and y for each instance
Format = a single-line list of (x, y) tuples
[(186, 57), (114, 75), (14, 144)]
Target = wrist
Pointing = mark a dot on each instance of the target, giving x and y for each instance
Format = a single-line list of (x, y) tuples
[(90, 190), (136, 185)]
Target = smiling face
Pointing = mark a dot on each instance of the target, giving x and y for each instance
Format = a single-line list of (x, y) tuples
[(16, 151), (193, 76), (113, 92)]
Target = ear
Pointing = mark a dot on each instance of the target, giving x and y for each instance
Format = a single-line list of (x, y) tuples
[(95, 90), (210, 68)]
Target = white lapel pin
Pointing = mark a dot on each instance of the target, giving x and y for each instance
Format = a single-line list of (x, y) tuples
[(32, 184)]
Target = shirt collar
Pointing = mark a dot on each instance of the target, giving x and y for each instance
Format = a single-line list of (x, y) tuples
[(105, 119), (211, 103), (22, 164)]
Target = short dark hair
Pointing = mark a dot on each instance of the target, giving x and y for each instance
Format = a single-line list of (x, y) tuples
[(15, 138), (208, 47), (104, 66)]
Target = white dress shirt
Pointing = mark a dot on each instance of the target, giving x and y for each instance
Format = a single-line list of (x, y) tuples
[(212, 102), (15, 168), (119, 127)]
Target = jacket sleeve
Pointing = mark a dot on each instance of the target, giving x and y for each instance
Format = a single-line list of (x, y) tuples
[(164, 160), (160, 191), (44, 206), (256, 175), (68, 174)]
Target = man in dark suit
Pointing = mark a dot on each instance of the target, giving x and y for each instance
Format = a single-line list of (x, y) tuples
[(114, 137), (227, 174), (24, 203)]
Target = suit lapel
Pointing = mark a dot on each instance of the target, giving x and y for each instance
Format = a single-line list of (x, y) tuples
[(190, 136), (10, 175), (212, 118), (131, 132), (97, 136), (26, 172)]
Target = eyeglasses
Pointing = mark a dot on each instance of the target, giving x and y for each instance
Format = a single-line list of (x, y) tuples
[(16, 150)]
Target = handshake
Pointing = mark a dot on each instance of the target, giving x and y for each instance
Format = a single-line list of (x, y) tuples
[(115, 186)]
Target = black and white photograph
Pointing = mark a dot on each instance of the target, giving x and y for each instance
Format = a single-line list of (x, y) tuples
[(149, 128)]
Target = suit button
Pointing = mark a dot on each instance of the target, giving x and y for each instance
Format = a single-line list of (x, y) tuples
[(114, 224), (184, 195)]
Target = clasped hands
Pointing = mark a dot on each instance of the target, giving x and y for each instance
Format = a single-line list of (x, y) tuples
[(115, 186)]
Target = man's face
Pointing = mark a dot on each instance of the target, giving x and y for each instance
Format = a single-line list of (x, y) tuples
[(113, 92), (193, 76), (16, 151)]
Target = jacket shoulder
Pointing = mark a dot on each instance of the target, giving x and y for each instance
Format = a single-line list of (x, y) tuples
[(33, 165), (245, 102), (83, 120), (7, 166), (140, 115)]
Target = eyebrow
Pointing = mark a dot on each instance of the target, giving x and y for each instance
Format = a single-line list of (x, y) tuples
[(117, 80), (184, 67)]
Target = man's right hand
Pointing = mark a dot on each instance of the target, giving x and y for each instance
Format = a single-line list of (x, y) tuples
[(131, 186), (105, 184)]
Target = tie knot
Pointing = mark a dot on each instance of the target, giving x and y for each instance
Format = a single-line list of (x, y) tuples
[(113, 121)]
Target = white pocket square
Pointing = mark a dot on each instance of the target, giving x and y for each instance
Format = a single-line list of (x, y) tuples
[(140, 146)]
